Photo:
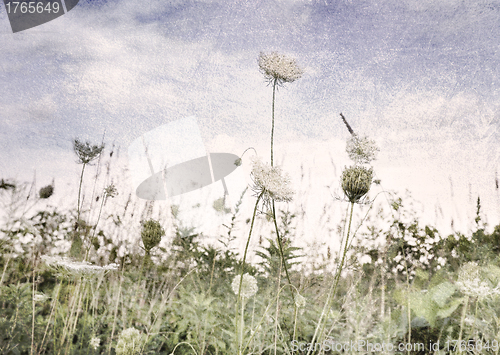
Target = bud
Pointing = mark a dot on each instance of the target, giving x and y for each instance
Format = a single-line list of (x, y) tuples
[(151, 234), (356, 181)]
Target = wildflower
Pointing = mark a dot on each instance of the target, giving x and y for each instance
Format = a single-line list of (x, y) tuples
[(46, 192), (151, 234), (248, 288), (86, 152), (110, 191), (361, 150), (129, 343), (270, 183), (279, 68), (238, 162), (356, 181), (300, 301), (71, 267), (94, 342), (40, 297), (470, 283)]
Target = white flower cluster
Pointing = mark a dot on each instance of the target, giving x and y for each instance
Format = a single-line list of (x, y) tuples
[(470, 282), (248, 287), (130, 342), (270, 182), (361, 150), (40, 297), (81, 268), (279, 67), (95, 342)]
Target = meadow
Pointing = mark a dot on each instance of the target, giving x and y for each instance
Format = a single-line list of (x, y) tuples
[(71, 284)]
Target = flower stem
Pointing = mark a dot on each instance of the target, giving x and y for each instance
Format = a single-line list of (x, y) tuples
[(333, 289), (275, 82), (240, 341)]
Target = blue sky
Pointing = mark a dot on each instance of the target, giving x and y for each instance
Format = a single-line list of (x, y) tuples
[(420, 77)]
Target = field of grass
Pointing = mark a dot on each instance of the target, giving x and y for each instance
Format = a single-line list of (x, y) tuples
[(73, 283)]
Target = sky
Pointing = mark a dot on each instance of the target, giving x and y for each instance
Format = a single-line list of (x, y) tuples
[(419, 77)]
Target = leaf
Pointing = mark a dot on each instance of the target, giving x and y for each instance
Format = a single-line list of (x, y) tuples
[(446, 312), (442, 292)]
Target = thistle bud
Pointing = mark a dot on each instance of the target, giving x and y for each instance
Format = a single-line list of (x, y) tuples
[(356, 181)]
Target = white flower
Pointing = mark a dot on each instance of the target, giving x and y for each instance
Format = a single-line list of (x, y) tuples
[(40, 297), (300, 301), (270, 182), (94, 342), (76, 268), (470, 283), (361, 150), (130, 342), (279, 67), (248, 288)]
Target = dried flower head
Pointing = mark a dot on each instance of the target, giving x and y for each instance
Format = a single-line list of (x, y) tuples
[(270, 183), (356, 181), (279, 67), (94, 342), (110, 191), (361, 150), (86, 152), (470, 282), (248, 287), (151, 234), (130, 342)]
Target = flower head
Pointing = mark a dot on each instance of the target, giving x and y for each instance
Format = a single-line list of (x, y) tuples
[(40, 297), (151, 234), (248, 287), (130, 342), (111, 191), (279, 67), (70, 267), (94, 342), (270, 182), (361, 150), (300, 301), (86, 152), (46, 192), (356, 181), (470, 282)]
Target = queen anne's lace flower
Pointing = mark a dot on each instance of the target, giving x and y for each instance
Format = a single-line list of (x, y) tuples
[(81, 268), (270, 182), (130, 342), (94, 342), (279, 67), (248, 288), (361, 150), (470, 282), (300, 301), (356, 181)]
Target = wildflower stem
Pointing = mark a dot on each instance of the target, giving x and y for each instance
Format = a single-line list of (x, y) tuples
[(333, 289), (275, 82), (240, 340)]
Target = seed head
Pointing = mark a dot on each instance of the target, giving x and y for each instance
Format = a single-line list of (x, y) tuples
[(110, 191), (248, 288), (130, 342), (86, 152), (69, 267), (300, 301), (356, 181), (279, 67), (151, 234), (361, 150)]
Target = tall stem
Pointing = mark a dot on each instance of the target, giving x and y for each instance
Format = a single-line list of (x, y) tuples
[(272, 128), (240, 341), (79, 194), (333, 289)]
